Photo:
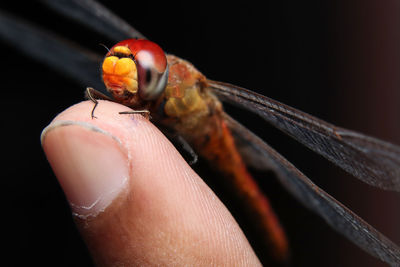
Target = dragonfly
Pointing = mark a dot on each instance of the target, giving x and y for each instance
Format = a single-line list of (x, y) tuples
[(372, 161)]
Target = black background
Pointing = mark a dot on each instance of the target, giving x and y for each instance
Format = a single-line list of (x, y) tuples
[(337, 60)]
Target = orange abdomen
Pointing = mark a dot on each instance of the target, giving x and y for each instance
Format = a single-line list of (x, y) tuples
[(223, 154), (196, 114)]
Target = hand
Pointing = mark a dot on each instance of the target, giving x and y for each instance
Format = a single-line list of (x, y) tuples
[(134, 199)]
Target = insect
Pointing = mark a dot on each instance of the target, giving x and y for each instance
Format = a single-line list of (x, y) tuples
[(371, 160), (138, 74)]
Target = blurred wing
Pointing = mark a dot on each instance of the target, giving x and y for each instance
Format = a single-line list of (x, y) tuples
[(334, 213), (96, 16), (371, 160), (66, 57)]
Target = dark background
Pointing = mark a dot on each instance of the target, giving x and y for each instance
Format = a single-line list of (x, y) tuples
[(338, 60)]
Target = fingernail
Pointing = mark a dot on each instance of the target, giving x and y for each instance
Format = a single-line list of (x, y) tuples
[(90, 164)]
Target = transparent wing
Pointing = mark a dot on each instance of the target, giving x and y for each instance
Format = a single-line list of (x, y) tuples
[(371, 160), (68, 58), (83, 66), (333, 212), (96, 16)]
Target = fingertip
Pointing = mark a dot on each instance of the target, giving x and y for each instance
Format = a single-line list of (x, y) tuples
[(153, 208)]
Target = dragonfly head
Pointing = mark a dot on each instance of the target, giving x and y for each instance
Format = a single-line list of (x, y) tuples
[(135, 67)]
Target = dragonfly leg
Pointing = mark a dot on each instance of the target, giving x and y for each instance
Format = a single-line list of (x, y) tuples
[(180, 143), (94, 100), (185, 146), (144, 112), (92, 94)]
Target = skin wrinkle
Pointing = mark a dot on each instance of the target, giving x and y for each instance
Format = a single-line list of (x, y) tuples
[(162, 235), (167, 216), (216, 217), (196, 195)]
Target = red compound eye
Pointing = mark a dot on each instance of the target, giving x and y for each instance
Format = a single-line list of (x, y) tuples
[(151, 65)]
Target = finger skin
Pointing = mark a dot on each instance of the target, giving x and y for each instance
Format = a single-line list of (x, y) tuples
[(163, 215)]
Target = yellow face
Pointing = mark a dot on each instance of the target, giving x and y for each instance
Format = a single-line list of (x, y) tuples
[(120, 73)]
